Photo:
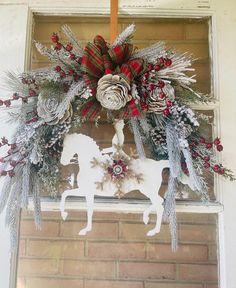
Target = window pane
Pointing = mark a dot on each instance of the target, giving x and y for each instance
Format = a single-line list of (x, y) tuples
[(184, 35)]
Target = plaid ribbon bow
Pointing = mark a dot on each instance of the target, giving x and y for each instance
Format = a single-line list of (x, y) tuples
[(98, 60)]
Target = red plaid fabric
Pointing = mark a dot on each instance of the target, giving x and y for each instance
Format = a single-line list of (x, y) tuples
[(99, 59)]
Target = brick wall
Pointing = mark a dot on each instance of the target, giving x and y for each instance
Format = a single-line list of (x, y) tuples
[(116, 253)]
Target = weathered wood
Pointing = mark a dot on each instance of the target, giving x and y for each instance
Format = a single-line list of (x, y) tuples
[(113, 19)]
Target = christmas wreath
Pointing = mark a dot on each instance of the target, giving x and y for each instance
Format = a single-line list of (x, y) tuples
[(148, 88)]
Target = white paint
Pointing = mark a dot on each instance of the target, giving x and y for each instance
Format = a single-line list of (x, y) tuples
[(13, 21), (87, 150)]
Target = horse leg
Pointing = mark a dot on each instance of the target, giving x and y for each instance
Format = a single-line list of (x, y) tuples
[(146, 213), (72, 192), (90, 206), (158, 207)]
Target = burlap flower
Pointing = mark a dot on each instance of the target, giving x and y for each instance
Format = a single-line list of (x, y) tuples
[(53, 110), (113, 92)]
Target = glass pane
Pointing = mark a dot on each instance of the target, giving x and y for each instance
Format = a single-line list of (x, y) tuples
[(183, 35), (116, 253)]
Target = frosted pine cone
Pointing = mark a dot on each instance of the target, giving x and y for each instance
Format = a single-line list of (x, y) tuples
[(52, 110), (113, 92)]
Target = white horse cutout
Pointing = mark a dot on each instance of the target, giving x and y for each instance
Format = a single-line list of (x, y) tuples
[(87, 149)]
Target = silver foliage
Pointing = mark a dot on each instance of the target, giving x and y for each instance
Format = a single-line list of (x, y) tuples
[(151, 53), (126, 34), (72, 38), (174, 152), (137, 138)]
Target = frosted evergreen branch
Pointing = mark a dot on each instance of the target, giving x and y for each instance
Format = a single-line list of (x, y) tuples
[(151, 53), (137, 138), (72, 38), (124, 35), (4, 193)]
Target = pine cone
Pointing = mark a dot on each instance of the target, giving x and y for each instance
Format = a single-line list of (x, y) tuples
[(113, 92), (53, 110)]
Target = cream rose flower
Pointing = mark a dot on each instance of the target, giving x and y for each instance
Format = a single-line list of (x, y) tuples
[(113, 92)]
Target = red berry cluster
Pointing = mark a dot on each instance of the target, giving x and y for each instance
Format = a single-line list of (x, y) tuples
[(69, 48), (13, 163), (160, 64), (218, 168), (16, 96)]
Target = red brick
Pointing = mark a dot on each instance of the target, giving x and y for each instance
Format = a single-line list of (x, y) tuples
[(146, 270), (38, 267), (56, 249), (198, 272), (112, 284), (116, 250), (196, 31), (192, 253), (54, 283), (90, 269), (197, 233), (100, 230), (212, 253), (212, 286), (130, 231), (49, 229), (172, 285), (196, 218)]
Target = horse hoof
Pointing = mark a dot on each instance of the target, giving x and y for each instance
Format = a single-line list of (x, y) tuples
[(145, 219), (83, 232), (64, 215), (151, 232)]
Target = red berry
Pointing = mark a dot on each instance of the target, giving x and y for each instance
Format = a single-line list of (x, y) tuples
[(32, 93), (202, 140), (24, 81), (161, 84), (184, 165), (216, 168), (157, 67), (206, 158), (161, 60), (168, 62), (194, 154), (146, 74), (219, 148), (72, 56), (11, 173), (76, 77), (145, 94), (58, 46), (3, 173), (79, 59), (169, 103), (162, 95), (166, 112), (150, 87), (222, 171), (1, 102), (58, 68), (62, 74), (206, 165), (13, 146), (7, 103), (209, 145), (216, 141), (54, 38), (69, 47), (15, 96), (13, 163), (144, 106), (150, 67), (71, 72)]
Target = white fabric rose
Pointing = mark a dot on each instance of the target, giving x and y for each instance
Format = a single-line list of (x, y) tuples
[(113, 92)]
